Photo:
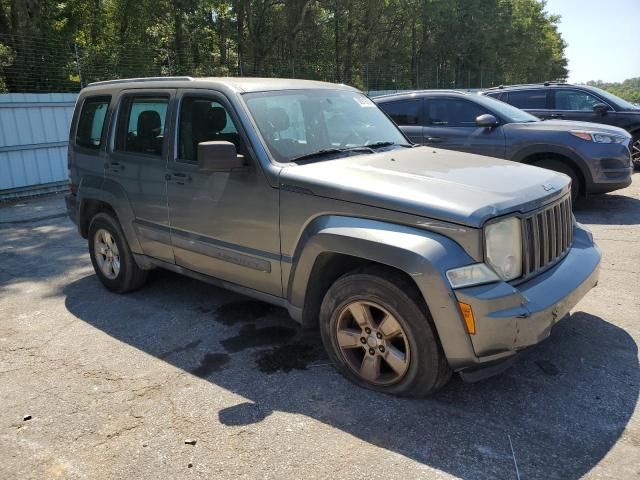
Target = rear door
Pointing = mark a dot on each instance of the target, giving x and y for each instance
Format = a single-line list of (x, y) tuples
[(451, 123), (576, 104), (407, 114), (536, 101), (137, 165)]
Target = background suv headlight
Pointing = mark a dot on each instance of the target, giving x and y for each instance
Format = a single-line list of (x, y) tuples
[(598, 137), (503, 247)]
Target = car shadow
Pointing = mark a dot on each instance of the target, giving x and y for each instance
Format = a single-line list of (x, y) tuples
[(557, 411), (608, 209)]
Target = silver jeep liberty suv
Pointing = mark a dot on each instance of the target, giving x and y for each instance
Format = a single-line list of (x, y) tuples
[(414, 262)]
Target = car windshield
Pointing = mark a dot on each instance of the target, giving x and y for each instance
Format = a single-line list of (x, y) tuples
[(611, 98), (314, 123), (508, 112)]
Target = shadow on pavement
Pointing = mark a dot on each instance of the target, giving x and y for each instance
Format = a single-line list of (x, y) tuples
[(609, 209), (563, 405)]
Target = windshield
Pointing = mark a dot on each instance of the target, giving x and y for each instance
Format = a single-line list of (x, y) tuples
[(611, 98), (299, 123), (508, 112)]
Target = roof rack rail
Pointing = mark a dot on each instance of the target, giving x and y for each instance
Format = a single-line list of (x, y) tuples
[(545, 83), (143, 79)]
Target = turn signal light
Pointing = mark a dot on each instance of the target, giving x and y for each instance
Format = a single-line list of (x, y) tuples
[(469, 320)]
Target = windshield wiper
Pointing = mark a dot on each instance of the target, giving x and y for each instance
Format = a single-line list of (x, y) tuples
[(331, 151), (388, 144)]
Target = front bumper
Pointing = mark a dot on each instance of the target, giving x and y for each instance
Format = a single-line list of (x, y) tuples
[(611, 167), (509, 317)]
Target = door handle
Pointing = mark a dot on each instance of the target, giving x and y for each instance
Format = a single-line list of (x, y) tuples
[(179, 177), (556, 115), (114, 166), (434, 139)]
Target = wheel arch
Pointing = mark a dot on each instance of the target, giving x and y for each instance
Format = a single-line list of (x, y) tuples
[(337, 245), (110, 198), (530, 156)]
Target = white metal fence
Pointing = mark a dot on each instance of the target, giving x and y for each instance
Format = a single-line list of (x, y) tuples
[(34, 130)]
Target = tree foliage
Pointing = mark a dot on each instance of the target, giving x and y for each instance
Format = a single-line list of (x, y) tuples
[(629, 89), (372, 44)]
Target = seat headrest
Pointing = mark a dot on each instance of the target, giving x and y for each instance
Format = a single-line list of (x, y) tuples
[(217, 119), (277, 119), (148, 124)]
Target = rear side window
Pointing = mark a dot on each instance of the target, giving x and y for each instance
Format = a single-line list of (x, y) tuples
[(406, 112), (528, 99), (450, 112), (91, 122), (141, 125)]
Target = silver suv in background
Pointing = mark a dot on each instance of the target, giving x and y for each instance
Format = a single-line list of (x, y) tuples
[(595, 157), (414, 262)]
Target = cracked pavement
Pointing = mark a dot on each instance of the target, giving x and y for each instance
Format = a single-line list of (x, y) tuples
[(116, 384)]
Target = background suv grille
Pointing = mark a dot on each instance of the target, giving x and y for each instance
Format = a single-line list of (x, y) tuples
[(547, 235)]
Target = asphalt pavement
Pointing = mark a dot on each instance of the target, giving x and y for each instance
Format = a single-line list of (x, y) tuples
[(185, 380)]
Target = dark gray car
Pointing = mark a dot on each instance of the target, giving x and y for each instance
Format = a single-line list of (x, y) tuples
[(574, 102), (596, 157), (413, 263)]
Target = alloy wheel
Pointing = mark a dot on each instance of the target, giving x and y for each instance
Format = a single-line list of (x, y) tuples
[(635, 152), (373, 342), (107, 254)]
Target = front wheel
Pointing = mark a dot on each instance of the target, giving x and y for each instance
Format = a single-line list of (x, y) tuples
[(379, 337), (635, 151), (562, 167)]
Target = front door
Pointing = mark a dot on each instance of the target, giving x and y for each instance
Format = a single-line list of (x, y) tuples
[(451, 123), (570, 104), (136, 167), (223, 224)]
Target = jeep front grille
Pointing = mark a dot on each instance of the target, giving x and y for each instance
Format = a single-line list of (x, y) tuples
[(547, 235)]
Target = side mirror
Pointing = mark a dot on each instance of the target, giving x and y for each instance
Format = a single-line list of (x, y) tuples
[(487, 121), (219, 157), (600, 108)]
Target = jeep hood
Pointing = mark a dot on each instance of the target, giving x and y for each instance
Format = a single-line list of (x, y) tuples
[(440, 184)]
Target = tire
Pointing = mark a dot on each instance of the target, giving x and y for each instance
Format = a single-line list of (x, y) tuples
[(124, 274), (383, 293), (635, 151), (562, 167)]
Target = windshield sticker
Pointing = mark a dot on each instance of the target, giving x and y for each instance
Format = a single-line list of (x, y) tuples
[(363, 101)]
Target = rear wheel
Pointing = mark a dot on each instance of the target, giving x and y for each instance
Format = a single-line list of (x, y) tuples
[(379, 337), (562, 167), (110, 255)]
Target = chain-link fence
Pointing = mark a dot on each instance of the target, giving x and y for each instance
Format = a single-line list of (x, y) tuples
[(32, 64)]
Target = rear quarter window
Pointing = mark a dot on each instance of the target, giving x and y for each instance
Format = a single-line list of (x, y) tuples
[(90, 129)]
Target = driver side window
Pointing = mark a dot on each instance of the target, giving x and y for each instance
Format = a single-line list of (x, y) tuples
[(450, 112), (202, 120), (575, 100)]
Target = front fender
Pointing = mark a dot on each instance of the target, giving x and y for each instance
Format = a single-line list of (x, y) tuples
[(423, 255)]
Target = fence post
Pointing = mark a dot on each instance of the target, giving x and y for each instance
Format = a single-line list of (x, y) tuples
[(75, 48)]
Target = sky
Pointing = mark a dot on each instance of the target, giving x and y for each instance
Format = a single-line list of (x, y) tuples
[(602, 36)]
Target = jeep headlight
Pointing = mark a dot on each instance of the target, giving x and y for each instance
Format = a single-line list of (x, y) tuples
[(503, 247)]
